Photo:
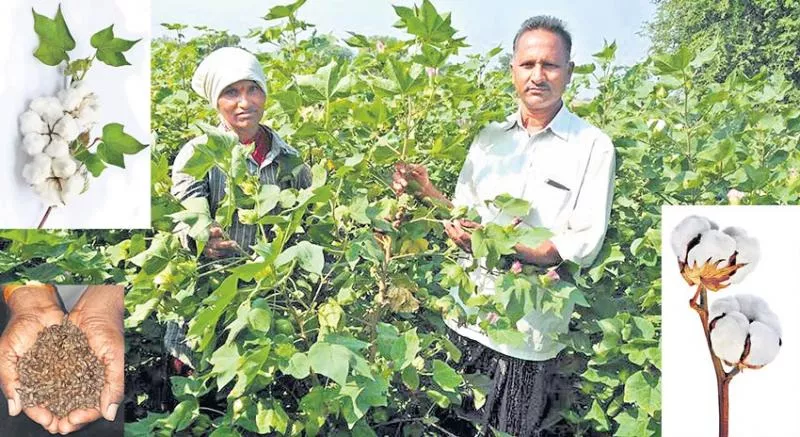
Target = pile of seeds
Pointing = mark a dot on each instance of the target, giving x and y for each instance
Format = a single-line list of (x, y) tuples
[(60, 372)]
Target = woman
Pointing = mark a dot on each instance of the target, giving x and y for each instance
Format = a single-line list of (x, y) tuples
[(233, 83)]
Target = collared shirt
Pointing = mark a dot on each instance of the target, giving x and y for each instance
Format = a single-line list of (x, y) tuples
[(212, 186), (566, 172)]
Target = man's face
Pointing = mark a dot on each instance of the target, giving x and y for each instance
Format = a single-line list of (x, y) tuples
[(241, 104), (541, 69)]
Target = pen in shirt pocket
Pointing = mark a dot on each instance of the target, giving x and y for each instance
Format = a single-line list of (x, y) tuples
[(553, 183)]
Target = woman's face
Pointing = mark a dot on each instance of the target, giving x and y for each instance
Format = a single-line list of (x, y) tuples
[(241, 105)]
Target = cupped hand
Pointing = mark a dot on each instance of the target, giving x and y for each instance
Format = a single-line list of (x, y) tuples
[(32, 310), (99, 314), (460, 231)]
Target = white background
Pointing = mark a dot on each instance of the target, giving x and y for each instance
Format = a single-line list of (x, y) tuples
[(119, 198), (763, 402)]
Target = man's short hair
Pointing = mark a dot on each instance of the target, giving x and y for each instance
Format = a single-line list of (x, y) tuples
[(546, 22)]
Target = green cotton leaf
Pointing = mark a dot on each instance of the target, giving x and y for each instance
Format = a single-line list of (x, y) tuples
[(55, 40), (187, 388), (630, 426), (251, 364), (426, 23), (299, 366), (267, 198), (92, 161), (119, 141), (643, 393), (445, 376), (645, 327), (109, 48), (203, 326), (215, 151), (511, 205), (195, 214), (328, 82), (401, 78), (308, 255), (110, 156), (331, 360), (225, 361), (271, 416), (608, 52), (259, 320), (410, 377), (597, 414), (283, 11), (183, 415)]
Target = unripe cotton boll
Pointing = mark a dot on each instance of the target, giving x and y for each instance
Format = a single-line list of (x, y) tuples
[(57, 148), (38, 169), (31, 122), (34, 144), (64, 167), (49, 108)]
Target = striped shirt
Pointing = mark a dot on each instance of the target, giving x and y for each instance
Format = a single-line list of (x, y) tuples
[(279, 162)]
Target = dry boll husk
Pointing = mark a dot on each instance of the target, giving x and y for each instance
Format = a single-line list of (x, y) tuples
[(60, 372)]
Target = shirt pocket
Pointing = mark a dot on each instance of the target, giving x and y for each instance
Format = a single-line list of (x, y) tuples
[(552, 196)]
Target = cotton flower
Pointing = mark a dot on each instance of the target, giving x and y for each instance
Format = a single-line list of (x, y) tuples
[(38, 169), (516, 267), (431, 72), (712, 257), (744, 331), (735, 196)]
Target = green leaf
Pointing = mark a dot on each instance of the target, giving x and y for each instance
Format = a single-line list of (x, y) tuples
[(203, 326), (109, 48), (410, 377), (271, 416), (597, 414), (267, 199), (110, 156), (55, 40), (225, 362), (445, 376), (183, 415), (331, 360), (308, 255), (259, 319), (328, 82), (217, 149), (511, 205), (93, 162), (120, 142), (299, 366), (643, 393), (630, 426)]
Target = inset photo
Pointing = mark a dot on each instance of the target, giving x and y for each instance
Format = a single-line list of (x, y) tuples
[(729, 333), (62, 354), (76, 114)]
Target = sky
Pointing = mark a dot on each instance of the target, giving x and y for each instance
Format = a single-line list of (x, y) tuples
[(483, 23)]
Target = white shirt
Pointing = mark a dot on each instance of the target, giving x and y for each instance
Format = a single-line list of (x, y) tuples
[(566, 172)]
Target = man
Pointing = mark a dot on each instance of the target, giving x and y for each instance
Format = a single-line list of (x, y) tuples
[(565, 168), (233, 82)]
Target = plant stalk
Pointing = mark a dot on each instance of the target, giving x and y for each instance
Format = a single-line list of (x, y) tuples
[(44, 218), (723, 378)]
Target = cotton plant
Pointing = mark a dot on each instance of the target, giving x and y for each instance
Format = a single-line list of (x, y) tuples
[(741, 331), (57, 129)]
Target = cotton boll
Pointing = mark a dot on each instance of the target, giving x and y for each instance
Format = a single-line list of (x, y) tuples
[(64, 167), (57, 148), (748, 252), (714, 246), (687, 230), (87, 118), (31, 122), (764, 344), (34, 144), (37, 170), (728, 337), (67, 128), (725, 305), (49, 108), (72, 187), (751, 305), (770, 319), (49, 191)]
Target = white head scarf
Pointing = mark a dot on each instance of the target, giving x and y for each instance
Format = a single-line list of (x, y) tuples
[(223, 67)]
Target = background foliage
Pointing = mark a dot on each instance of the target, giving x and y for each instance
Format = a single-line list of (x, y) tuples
[(334, 325)]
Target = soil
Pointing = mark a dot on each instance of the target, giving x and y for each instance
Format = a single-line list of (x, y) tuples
[(60, 372)]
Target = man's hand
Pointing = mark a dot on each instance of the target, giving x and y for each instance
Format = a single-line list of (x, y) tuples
[(218, 245), (32, 310), (411, 179), (99, 314), (460, 231)]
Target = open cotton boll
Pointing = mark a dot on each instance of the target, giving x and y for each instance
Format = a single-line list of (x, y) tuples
[(725, 305), (49, 191), (714, 246), (64, 167), (31, 122), (49, 108), (751, 305), (37, 170), (67, 128), (34, 144), (748, 252), (686, 231), (57, 148), (765, 343), (728, 336), (72, 186)]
